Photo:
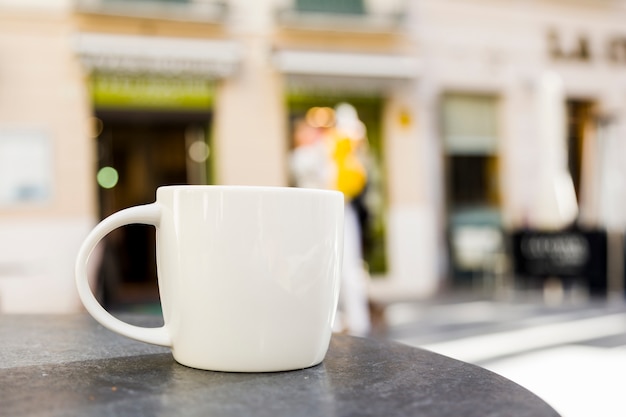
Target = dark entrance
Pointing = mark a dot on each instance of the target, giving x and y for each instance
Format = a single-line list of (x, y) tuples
[(137, 153)]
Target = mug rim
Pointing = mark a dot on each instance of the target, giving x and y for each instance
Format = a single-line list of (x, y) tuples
[(220, 187)]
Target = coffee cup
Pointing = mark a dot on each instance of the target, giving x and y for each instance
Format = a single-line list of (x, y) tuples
[(248, 276)]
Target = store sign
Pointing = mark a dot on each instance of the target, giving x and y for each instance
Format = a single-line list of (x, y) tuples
[(564, 254), (122, 90), (579, 48)]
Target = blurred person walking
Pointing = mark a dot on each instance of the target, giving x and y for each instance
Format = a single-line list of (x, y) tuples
[(310, 162), (331, 158), (349, 146)]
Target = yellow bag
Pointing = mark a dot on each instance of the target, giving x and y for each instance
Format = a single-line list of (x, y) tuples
[(351, 175)]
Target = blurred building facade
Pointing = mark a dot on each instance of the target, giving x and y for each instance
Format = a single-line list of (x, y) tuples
[(101, 101)]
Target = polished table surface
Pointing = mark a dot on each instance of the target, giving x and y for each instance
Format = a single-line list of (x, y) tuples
[(71, 366)]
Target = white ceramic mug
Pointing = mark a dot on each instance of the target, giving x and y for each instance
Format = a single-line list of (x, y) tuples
[(248, 276)]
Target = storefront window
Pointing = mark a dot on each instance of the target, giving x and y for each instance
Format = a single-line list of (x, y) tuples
[(580, 118), (331, 6), (471, 146), (470, 125), (473, 180), (470, 139)]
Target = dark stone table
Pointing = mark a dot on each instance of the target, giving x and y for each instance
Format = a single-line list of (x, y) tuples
[(71, 366)]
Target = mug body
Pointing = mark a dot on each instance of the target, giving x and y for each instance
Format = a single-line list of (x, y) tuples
[(249, 276)]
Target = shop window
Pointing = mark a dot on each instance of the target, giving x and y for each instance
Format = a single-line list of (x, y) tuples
[(473, 180), (471, 145), (580, 117), (331, 6), (470, 124)]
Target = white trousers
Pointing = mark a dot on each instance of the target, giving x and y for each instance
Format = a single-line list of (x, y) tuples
[(353, 299)]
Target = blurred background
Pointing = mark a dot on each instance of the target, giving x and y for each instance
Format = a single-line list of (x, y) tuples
[(496, 149)]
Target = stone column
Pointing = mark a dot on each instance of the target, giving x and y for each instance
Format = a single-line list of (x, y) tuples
[(250, 117)]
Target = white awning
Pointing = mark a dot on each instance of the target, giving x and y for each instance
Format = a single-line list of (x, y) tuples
[(334, 64), (160, 55)]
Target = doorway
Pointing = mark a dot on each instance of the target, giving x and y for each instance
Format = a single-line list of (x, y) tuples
[(137, 153)]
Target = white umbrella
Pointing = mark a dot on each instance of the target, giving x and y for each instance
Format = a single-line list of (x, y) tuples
[(554, 205)]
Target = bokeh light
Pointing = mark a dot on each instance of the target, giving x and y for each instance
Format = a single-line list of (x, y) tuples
[(199, 151), (320, 117), (107, 177)]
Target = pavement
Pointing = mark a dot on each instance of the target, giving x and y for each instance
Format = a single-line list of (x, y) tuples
[(571, 353)]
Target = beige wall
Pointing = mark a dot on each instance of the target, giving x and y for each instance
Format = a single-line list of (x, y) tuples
[(42, 88), (250, 124)]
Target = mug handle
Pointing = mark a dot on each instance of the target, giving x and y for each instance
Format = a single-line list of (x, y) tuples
[(146, 214)]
